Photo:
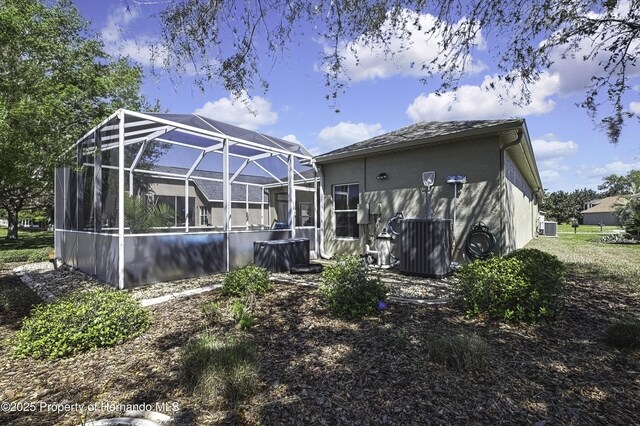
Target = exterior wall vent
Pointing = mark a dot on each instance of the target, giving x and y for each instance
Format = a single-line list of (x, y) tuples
[(425, 247)]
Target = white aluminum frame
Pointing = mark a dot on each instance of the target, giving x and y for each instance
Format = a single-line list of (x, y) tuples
[(135, 127)]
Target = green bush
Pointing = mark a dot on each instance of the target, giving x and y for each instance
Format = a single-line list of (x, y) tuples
[(461, 352), (220, 368), (249, 279), (78, 323), (349, 290), (624, 333), (525, 286)]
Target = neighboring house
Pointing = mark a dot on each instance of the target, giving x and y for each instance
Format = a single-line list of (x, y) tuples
[(602, 211), (384, 175)]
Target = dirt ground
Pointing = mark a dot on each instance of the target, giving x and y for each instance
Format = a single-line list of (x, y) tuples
[(315, 369)]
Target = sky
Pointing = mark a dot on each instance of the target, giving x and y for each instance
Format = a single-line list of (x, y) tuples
[(383, 95)]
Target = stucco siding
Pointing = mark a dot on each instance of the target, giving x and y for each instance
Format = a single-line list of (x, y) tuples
[(608, 219), (403, 190), (520, 209)]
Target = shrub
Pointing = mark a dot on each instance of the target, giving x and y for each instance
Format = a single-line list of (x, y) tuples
[(525, 286), (220, 368), (461, 352), (249, 279), (349, 290), (624, 333), (78, 323)]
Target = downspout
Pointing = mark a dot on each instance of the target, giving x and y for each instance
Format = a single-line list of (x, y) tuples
[(503, 187)]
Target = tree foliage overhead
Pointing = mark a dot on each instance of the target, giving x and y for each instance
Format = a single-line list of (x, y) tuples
[(226, 40), (56, 81)]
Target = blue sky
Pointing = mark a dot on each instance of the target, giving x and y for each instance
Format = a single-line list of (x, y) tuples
[(382, 96)]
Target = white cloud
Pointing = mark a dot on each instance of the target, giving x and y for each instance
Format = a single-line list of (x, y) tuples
[(403, 54), (550, 155), (291, 138), (118, 19), (250, 113), (545, 149), (119, 41), (576, 72), (591, 175), (491, 99), (615, 167), (634, 107), (345, 133)]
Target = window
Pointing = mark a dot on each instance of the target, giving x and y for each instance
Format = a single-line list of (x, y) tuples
[(345, 206), (177, 205), (204, 219)]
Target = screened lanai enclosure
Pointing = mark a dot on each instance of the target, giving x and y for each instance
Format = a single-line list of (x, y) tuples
[(157, 197)]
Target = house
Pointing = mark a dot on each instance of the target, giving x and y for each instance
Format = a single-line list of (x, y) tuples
[(602, 211), (231, 189), (383, 176)]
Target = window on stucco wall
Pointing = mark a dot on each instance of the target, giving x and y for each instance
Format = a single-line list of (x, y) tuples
[(345, 207)]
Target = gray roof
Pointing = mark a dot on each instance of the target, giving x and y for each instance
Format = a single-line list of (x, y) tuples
[(213, 190), (427, 131)]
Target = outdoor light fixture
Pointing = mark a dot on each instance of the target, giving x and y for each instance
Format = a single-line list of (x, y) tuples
[(381, 176)]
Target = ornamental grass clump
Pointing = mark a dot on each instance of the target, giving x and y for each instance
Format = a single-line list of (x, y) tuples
[(526, 286), (349, 289), (222, 369), (624, 333), (78, 323), (460, 352)]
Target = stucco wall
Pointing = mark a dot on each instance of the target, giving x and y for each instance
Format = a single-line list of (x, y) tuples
[(403, 190), (608, 219), (520, 209), (215, 212)]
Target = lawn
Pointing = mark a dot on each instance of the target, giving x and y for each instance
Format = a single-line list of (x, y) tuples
[(587, 258), (313, 368), (592, 229), (32, 245)]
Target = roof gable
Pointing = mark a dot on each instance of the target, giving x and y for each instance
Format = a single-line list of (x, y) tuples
[(607, 205)]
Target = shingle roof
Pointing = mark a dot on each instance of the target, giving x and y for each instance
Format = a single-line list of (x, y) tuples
[(607, 205), (213, 190), (426, 130)]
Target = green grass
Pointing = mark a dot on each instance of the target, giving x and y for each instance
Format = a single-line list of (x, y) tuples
[(593, 229), (31, 246), (460, 352), (588, 258), (222, 368)]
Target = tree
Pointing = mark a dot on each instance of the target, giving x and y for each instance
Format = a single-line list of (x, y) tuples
[(226, 40), (614, 185), (56, 81), (565, 206), (620, 185)]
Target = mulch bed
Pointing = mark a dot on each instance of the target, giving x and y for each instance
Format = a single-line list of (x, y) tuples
[(316, 369)]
